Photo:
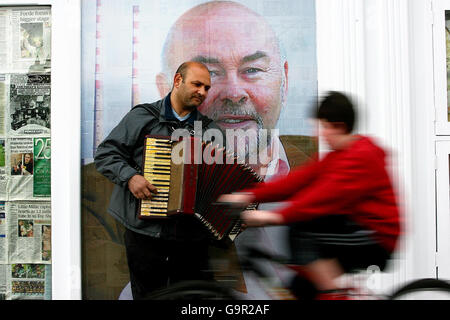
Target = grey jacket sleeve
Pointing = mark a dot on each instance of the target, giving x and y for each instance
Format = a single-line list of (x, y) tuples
[(114, 156)]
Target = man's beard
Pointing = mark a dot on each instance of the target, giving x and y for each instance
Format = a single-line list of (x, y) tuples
[(190, 104), (248, 111)]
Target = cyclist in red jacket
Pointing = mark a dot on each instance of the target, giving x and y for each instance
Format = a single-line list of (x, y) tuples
[(342, 209)]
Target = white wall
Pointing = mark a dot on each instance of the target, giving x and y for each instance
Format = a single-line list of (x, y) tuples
[(380, 51), (422, 202), (66, 221)]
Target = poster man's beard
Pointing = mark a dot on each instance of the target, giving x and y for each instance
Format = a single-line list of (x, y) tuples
[(238, 109)]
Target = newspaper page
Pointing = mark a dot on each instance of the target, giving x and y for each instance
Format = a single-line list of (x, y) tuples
[(28, 281), (29, 168), (4, 39), (3, 176), (29, 232), (25, 152), (3, 93), (3, 231), (3, 87), (31, 34), (3, 277), (42, 163), (29, 104)]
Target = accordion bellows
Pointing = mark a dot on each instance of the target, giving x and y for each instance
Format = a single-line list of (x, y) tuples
[(190, 175)]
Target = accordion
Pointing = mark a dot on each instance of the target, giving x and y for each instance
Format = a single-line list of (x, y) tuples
[(189, 185)]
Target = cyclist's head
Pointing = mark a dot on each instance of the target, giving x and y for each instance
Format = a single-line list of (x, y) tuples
[(337, 109)]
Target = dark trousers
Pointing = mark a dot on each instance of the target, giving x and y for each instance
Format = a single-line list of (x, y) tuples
[(336, 236), (332, 237), (156, 263)]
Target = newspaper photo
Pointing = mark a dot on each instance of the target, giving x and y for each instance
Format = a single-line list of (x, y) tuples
[(28, 281), (29, 168), (29, 104), (31, 34), (29, 232), (3, 230)]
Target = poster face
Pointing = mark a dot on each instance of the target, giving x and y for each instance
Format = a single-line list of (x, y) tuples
[(261, 56)]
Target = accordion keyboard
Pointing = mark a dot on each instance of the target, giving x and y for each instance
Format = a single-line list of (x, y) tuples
[(157, 171)]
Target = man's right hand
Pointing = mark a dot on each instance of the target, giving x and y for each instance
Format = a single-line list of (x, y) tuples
[(141, 188), (243, 199)]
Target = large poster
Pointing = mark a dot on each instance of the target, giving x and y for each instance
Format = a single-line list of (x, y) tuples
[(262, 59)]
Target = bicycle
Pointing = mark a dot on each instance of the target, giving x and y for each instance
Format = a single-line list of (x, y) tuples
[(356, 290)]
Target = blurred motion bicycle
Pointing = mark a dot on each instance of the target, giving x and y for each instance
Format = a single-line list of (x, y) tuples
[(355, 286)]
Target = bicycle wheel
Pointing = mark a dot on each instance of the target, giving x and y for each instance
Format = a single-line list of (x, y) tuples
[(193, 290), (423, 289)]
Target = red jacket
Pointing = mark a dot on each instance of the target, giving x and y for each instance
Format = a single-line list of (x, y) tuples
[(353, 182)]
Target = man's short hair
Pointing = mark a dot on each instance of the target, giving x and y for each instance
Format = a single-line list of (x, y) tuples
[(182, 70), (337, 107)]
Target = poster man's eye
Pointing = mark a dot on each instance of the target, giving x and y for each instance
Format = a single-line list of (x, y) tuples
[(252, 70), (214, 73)]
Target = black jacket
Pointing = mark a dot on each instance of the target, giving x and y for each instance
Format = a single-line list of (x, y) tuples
[(119, 157)]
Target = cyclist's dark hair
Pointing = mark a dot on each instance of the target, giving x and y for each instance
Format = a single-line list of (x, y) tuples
[(337, 107)]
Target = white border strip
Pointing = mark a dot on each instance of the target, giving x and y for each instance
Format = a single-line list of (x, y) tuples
[(66, 244)]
